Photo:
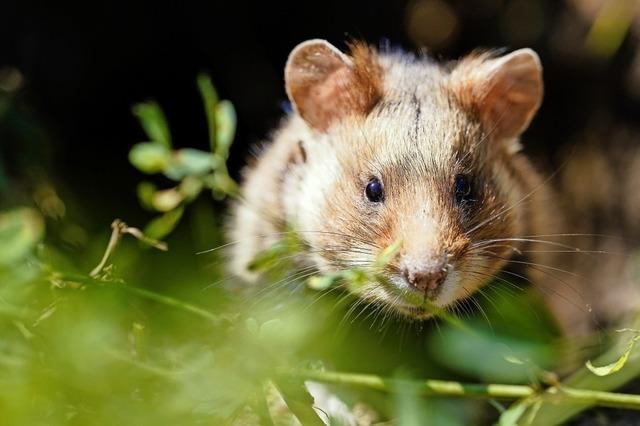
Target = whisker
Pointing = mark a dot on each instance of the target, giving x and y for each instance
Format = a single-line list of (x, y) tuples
[(477, 305), (286, 233), (530, 264), (480, 244), (517, 203), (546, 289)]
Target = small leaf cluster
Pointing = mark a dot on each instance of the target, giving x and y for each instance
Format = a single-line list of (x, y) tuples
[(192, 169)]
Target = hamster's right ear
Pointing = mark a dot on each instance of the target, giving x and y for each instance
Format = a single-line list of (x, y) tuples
[(505, 92), (325, 85)]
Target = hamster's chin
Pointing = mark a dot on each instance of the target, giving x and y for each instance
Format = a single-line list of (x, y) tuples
[(413, 313)]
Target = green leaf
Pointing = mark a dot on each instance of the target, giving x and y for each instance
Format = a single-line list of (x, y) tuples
[(299, 402), (225, 115), (322, 282), (387, 254), (162, 225), (150, 157), (271, 328), (21, 230), (146, 191), (153, 122), (611, 368), (266, 258), (193, 161), (190, 187), (357, 279), (610, 27), (167, 199), (223, 185), (512, 415), (188, 161), (210, 100)]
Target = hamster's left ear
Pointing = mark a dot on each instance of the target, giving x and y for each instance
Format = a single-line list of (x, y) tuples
[(505, 92), (326, 85)]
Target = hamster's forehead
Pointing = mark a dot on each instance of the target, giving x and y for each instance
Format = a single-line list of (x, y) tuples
[(416, 122), (404, 74)]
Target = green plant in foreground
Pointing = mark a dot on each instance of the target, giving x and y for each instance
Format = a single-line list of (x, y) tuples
[(114, 346), (193, 169)]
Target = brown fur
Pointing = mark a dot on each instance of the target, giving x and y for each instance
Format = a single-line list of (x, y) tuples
[(506, 102), (415, 126), (367, 77), (324, 84)]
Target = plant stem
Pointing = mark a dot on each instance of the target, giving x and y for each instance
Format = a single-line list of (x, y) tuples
[(552, 411), (150, 295), (475, 390), (116, 234), (170, 301), (118, 229), (425, 388)]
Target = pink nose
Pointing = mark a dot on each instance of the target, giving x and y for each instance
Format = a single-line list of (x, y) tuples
[(426, 281)]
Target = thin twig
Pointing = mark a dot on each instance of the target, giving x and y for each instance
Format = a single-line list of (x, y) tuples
[(111, 246), (150, 295), (474, 390), (119, 228)]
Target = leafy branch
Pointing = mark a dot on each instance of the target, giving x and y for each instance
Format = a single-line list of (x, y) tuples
[(194, 170), (548, 407)]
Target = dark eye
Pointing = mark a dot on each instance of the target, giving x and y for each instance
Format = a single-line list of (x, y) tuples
[(462, 189), (374, 191)]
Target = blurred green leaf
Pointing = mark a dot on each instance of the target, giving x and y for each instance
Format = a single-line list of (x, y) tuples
[(225, 115), (409, 406), (388, 253), (271, 328), (193, 161), (20, 230), (190, 187), (299, 402), (162, 225), (150, 157), (512, 415), (153, 122), (189, 161), (617, 365), (167, 199), (610, 27), (322, 282), (223, 185), (457, 348), (266, 258), (413, 409), (146, 191), (210, 100), (357, 279)]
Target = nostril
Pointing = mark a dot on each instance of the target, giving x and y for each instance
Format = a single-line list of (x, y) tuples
[(426, 281)]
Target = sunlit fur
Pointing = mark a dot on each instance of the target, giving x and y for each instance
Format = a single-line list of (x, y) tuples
[(416, 139)]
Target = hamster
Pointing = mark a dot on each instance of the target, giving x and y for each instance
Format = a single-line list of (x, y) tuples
[(384, 147)]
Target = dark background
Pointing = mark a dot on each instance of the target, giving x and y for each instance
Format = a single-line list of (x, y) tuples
[(84, 66)]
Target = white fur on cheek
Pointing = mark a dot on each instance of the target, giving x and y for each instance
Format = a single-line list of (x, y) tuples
[(449, 292), (305, 194)]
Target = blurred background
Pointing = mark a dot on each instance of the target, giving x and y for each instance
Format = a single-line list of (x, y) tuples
[(69, 77), (72, 73)]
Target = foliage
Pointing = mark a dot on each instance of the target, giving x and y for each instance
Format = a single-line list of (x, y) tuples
[(108, 333), (195, 170)]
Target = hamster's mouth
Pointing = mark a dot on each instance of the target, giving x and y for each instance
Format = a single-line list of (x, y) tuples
[(418, 313), (405, 299)]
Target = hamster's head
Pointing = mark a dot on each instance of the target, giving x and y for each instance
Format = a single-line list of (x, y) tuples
[(406, 150)]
